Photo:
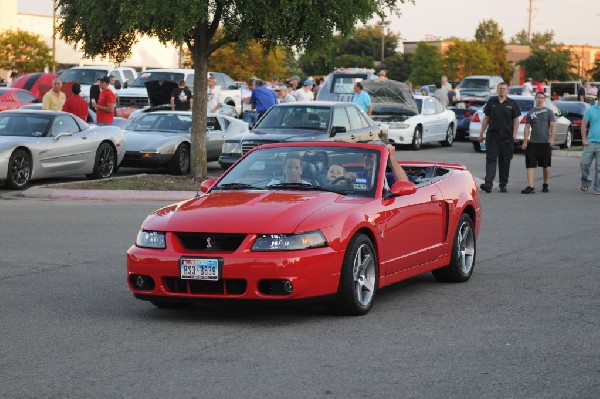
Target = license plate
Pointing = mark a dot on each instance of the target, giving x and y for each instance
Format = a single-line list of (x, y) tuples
[(199, 269)]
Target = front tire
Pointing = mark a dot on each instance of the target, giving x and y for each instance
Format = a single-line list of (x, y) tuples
[(462, 260), (180, 163), (449, 137), (417, 139), (105, 163), (19, 170), (358, 279)]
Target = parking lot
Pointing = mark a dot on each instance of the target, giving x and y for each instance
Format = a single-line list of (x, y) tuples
[(525, 325)]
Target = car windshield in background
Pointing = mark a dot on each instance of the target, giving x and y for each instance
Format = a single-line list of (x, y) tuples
[(572, 106), (24, 125), (169, 123), (83, 76), (526, 105), (475, 84), (353, 172), (144, 77), (344, 84), (296, 117)]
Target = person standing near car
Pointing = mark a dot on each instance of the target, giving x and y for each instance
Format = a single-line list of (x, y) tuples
[(75, 104), (528, 87), (105, 106), (591, 147), (181, 98), (54, 99), (582, 90), (214, 101), (262, 99), (502, 115), (362, 98), (541, 122)]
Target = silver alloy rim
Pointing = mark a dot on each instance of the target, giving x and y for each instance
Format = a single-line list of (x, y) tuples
[(20, 170), (363, 272), (449, 137), (184, 160), (466, 248), (106, 162)]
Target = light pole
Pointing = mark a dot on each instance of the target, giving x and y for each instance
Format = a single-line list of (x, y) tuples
[(53, 37), (383, 24)]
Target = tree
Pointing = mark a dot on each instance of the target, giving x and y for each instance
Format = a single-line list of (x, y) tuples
[(537, 39), (464, 58), (491, 36), (550, 62), (110, 28), (399, 66), (426, 64), (595, 72), (23, 52)]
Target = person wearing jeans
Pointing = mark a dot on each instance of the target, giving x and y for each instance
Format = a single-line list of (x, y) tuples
[(591, 148)]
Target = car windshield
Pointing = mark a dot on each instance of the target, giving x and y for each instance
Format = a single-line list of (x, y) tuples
[(344, 170), (480, 84), (83, 76), (296, 117), (144, 77), (168, 123), (23, 125), (344, 84)]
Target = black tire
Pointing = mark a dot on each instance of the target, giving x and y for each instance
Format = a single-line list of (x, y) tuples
[(170, 304), (568, 140), (180, 163), (477, 146), (462, 260), (417, 139), (105, 164), (19, 170), (449, 137), (358, 279)]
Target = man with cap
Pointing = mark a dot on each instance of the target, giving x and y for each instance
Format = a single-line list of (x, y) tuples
[(54, 99), (105, 107), (262, 99), (305, 93), (528, 87), (295, 81)]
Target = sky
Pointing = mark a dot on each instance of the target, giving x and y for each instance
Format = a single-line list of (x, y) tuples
[(575, 22)]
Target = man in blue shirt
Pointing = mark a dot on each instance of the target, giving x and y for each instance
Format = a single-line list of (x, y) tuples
[(262, 99), (362, 98), (591, 147)]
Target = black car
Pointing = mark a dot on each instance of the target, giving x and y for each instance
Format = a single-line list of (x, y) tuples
[(305, 121), (573, 111)]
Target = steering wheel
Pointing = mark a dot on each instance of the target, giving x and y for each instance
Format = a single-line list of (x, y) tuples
[(341, 181)]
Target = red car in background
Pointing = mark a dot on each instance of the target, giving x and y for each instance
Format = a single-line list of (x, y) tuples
[(12, 98), (37, 83), (256, 235)]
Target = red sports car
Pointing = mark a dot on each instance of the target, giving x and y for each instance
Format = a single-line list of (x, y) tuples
[(11, 98), (321, 220)]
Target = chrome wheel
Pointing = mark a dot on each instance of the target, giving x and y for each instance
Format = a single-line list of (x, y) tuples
[(106, 162), (465, 245), (364, 275)]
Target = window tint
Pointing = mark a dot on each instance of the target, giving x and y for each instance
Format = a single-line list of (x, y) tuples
[(340, 118), (64, 124), (438, 106), (212, 123), (356, 122), (25, 97)]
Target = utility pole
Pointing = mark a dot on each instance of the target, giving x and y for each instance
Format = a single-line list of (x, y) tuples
[(383, 24), (529, 23), (53, 37)]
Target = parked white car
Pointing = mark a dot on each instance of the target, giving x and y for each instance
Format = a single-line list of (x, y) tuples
[(411, 120), (564, 130), (87, 76)]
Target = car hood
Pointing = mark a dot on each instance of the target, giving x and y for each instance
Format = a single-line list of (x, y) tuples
[(241, 212), (390, 92), (473, 93), (137, 141), (133, 92), (159, 91)]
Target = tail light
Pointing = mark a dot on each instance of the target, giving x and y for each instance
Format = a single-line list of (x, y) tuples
[(476, 118), (467, 114), (576, 122)]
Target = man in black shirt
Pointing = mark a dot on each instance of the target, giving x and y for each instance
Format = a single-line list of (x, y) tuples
[(181, 98), (581, 93), (502, 117)]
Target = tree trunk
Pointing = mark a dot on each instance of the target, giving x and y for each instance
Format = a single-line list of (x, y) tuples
[(200, 53)]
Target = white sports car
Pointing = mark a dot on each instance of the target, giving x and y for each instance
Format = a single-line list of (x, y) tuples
[(41, 144), (163, 139), (411, 120)]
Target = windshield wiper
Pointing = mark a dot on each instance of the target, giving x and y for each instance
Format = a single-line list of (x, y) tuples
[(236, 186)]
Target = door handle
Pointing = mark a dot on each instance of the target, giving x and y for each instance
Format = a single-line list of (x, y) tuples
[(353, 137)]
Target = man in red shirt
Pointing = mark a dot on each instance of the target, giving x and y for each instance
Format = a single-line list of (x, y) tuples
[(75, 104), (105, 107)]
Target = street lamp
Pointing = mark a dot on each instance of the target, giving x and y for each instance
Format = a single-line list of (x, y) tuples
[(383, 24)]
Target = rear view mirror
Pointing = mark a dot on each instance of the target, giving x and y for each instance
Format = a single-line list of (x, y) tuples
[(207, 185)]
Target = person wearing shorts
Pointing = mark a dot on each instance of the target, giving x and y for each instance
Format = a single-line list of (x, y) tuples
[(538, 139)]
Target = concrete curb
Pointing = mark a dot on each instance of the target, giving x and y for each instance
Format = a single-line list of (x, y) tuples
[(102, 195)]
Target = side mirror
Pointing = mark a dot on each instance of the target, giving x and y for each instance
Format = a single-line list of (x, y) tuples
[(337, 129), (207, 185), (118, 84), (402, 188), (125, 84)]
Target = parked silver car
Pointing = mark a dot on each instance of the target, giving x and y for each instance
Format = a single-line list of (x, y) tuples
[(163, 139), (39, 144)]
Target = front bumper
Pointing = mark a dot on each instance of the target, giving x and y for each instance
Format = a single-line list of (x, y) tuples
[(226, 160), (136, 159), (401, 136)]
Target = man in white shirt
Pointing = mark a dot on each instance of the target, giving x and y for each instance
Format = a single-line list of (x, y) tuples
[(528, 87), (214, 96), (305, 93)]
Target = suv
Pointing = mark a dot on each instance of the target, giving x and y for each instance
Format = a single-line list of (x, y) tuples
[(339, 85), (305, 121), (136, 95), (87, 76), (479, 86)]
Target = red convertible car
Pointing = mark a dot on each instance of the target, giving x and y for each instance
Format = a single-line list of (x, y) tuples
[(317, 220)]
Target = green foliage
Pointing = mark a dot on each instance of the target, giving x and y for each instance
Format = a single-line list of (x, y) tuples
[(595, 72), (537, 39), (491, 36), (23, 52), (353, 61), (464, 58), (426, 65), (551, 63), (399, 66)]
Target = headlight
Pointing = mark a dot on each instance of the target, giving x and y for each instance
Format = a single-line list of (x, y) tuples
[(150, 239), (396, 125), (232, 148), (289, 242)]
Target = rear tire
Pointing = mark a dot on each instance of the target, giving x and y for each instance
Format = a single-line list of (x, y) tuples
[(462, 260), (19, 170), (180, 163), (105, 163), (477, 146)]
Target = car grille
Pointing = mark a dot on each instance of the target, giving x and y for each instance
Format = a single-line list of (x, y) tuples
[(231, 286), (207, 242), (133, 156), (248, 145), (133, 102)]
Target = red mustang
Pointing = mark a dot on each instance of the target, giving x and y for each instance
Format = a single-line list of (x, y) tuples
[(321, 220)]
